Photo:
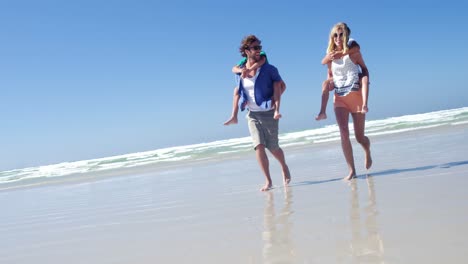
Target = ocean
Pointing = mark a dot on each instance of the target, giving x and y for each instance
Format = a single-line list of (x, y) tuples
[(224, 148)]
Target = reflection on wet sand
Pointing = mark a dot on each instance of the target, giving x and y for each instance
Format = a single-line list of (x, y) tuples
[(277, 242), (366, 242)]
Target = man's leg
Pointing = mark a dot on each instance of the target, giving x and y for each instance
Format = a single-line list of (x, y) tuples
[(262, 159), (279, 155)]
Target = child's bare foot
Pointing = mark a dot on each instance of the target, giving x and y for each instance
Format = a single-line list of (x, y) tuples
[(231, 121), (277, 115), (267, 187), (351, 176), (286, 176), (321, 116)]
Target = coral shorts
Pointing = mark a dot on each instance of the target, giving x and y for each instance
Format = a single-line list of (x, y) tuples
[(352, 101)]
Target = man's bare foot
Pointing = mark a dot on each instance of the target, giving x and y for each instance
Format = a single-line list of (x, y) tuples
[(267, 187), (351, 176), (321, 116), (277, 115), (231, 121), (286, 176), (368, 160)]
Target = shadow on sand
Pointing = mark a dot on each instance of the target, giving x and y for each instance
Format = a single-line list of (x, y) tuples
[(387, 172)]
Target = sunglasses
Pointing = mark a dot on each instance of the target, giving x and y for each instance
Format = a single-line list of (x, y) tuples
[(336, 35), (256, 48)]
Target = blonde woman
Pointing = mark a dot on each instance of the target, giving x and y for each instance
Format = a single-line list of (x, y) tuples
[(351, 95), (327, 85)]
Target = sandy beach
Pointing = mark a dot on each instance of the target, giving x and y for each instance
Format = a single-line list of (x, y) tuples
[(410, 208)]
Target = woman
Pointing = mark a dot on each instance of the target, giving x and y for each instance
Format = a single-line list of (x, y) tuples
[(350, 95)]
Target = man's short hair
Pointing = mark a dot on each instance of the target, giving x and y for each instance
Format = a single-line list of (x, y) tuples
[(246, 42)]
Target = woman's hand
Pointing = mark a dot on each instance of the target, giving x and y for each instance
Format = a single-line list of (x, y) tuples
[(364, 109)]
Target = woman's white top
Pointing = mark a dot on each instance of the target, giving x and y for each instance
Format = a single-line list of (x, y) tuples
[(345, 75)]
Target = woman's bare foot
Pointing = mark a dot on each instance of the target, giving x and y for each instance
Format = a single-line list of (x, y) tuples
[(231, 121), (267, 187), (351, 176), (321, 116), (368, 159), (277, 115), (286, 176)]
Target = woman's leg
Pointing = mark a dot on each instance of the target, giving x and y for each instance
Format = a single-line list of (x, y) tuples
[(342, 118), (359, 121)]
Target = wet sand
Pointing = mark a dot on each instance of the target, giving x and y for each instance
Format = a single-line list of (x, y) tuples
[(410, 208)]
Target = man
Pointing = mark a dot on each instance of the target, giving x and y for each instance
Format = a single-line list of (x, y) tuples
[(256, 90)]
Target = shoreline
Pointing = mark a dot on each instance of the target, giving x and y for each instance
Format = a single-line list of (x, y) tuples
[(78, 178)]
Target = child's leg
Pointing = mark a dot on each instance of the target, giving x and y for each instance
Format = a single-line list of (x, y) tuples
[(278, 89), (364, 80), (235, 109), (327, 86)]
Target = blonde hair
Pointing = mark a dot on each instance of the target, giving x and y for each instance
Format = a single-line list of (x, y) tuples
[(346, 32)]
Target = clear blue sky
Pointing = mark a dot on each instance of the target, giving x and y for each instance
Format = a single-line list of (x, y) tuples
[(89, 79)]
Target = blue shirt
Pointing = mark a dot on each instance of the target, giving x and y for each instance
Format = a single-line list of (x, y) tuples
[(263, 88)]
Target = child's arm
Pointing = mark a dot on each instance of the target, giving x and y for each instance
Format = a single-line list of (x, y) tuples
[(338, 54), (328, 58), (329, 71), (258, 64), (244, 68), (236, 69), (353, 48)]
